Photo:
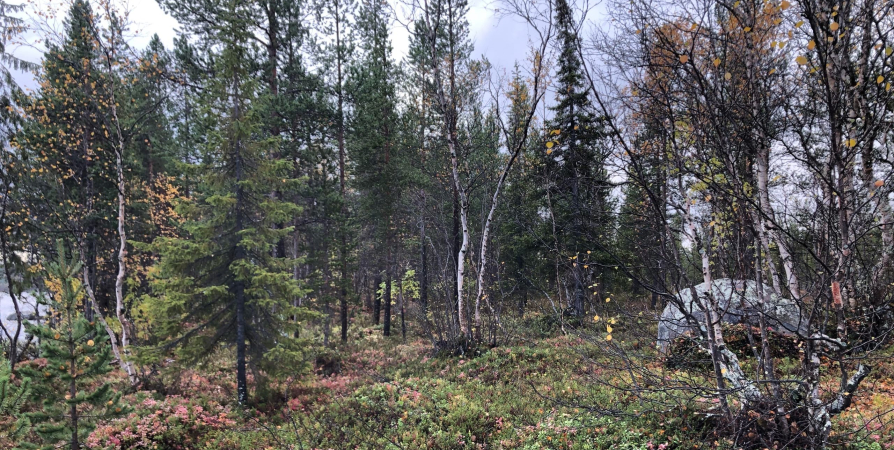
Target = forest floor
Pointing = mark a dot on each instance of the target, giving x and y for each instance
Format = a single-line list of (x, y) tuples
[(545, 392)]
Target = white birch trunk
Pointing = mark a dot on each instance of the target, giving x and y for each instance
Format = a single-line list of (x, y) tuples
[(767, 223)]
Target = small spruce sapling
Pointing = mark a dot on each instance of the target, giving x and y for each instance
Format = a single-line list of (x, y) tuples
[(75, 355)]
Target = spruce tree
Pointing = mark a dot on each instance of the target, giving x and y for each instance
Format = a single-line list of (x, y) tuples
[(75, 358), (574, 165), (221, 284)]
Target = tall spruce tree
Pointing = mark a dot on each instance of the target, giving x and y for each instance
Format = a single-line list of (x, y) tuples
[(575, 165), (222, 285), (69, 385)]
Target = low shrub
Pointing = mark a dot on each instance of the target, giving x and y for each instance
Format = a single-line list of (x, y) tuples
[(174, 423)]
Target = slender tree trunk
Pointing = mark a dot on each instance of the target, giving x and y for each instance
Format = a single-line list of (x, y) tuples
[(454, 251), (423, 256), (386, 329), (485, 234), (726, 363), (343, 250), (91, 299), (241, 381), (423, 270), (377, 300), (762, 168), (403, 311), (122, 253), (73, 392), (766, 360), (239, 295)]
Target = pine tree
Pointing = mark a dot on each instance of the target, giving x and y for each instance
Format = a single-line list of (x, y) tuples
[(221, 284), (380, 173), (77, 356), (574, 164)]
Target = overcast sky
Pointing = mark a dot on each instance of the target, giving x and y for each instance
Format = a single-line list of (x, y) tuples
[(502, 41)]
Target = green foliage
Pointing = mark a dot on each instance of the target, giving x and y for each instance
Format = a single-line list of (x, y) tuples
[(69, 381), (221, 283), (13, 424)]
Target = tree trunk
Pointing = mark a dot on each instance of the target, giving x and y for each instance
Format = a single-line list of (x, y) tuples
[(768, 223), (485, 233), (91, 300), (403, 312), (239, 285), (73, 392), (386, 328), (377, 300), (122, 253), (343, 250)]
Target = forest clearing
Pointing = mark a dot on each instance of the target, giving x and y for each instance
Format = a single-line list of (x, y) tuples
[(407, 224)]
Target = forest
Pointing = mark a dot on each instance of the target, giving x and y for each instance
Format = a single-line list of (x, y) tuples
[(667, 225)]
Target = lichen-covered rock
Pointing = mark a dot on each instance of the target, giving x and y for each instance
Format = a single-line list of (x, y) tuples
[(738, 303)]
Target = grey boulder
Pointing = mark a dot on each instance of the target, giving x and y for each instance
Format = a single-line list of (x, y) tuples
[(737, 302)]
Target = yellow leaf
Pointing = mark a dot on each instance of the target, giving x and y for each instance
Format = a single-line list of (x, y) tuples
[(90, 343), (684, 59), (747, 29), (608, 328), (880, 79), (608, 299), (608, 338), (833, 26), (717, 62), (549, 152), (799, 24), (785, 5), (549, 144), (851, 143), (728, 76), (736, 5), (596, 318), (802, 60), (772, 71), (811, 45), (879, 183)]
